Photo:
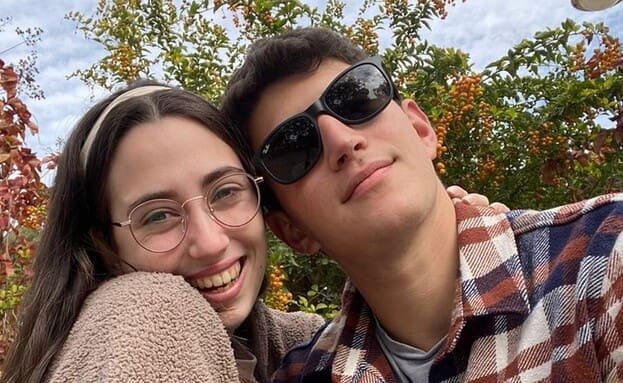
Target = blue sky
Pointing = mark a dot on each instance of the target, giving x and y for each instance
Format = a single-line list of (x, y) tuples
[(485, 29)]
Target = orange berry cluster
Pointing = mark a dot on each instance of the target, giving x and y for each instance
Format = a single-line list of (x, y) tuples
[(441, 126), (465, 89), (441, 6), (247, 10), (441, 168), (236, 20), (35, 215), (249, 13), (367, 38), (576, 61), (389, 6), (611, 57), (464, 92), (121, 62), (487, 169), (407, 77), (277, 296), (268, 19), (534, 142), (539, 138), (484, 118)]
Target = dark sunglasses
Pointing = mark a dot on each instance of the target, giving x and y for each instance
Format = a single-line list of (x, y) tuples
[(355, 96)]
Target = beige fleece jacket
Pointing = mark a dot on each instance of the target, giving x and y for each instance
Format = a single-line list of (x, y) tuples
[(155, 327)]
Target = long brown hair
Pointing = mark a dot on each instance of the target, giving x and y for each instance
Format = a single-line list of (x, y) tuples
[(76, 253)]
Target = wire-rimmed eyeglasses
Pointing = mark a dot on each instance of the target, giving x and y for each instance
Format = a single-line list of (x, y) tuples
[(160, 225)]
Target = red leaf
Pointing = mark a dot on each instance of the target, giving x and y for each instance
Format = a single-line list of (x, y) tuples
[(9, 270), (4, 223), (34, 129), (8, 81)]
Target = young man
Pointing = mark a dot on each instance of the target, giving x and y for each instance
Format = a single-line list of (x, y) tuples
[(436, 292)]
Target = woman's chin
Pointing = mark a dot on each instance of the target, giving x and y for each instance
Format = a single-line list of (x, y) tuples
[(232, 319)]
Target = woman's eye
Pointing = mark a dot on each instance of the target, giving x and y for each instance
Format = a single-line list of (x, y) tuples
[(159, 217), (156, 216), (228, 194), (224, 192)]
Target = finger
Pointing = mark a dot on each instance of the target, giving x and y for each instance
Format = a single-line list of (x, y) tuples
[(455, 191), (499, 207), (475, 199)]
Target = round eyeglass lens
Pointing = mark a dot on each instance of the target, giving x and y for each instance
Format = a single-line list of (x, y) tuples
[(234, 199), (293, 150), (158, 225)]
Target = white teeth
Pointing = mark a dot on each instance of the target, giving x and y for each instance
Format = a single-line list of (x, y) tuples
[(218, 280), (226, 277), (207, 283), (201, 284)]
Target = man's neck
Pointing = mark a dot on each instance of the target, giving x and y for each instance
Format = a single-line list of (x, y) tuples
[(412, 294)]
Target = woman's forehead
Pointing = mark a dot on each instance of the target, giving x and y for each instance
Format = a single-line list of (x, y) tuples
[(172, 154)]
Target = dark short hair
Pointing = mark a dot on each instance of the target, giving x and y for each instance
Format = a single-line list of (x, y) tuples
[(270, 60)]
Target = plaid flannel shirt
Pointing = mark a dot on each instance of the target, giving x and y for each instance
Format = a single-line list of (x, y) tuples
[(539, 298)]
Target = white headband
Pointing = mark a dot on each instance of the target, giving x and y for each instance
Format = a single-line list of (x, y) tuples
[(136, 92)]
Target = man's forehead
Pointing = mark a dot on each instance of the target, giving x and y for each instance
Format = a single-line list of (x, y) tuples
[(289, 96)]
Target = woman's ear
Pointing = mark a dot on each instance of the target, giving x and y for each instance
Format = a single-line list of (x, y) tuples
[(286, 230), (109, 255)]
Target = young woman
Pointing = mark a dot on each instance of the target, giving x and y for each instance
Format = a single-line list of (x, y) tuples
[(151, 180)]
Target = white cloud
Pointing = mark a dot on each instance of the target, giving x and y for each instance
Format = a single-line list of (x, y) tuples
[(485, 29)]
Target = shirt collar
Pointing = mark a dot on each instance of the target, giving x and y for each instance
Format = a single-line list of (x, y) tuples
[(490, 282), (491, 278)]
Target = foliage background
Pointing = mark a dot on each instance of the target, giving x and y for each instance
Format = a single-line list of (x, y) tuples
[(540, 126)]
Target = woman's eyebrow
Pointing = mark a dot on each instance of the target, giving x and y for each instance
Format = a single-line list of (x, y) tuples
[(209, 178), (163, 194)]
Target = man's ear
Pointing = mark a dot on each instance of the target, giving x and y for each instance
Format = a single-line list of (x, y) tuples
[(286, 230), (422, 126)]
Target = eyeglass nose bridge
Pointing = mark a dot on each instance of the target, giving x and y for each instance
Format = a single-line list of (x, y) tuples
[(205, 205), (317, 108), (201, 196)]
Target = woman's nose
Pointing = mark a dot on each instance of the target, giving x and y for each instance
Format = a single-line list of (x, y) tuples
[(206, 237)]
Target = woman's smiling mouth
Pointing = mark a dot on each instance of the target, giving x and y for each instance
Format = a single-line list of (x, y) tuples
[(218, 282)]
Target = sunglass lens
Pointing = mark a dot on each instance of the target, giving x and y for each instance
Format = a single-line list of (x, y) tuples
[(292, 150), (359, 94)]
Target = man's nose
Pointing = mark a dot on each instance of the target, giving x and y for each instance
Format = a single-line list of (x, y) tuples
[(339, 141)]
